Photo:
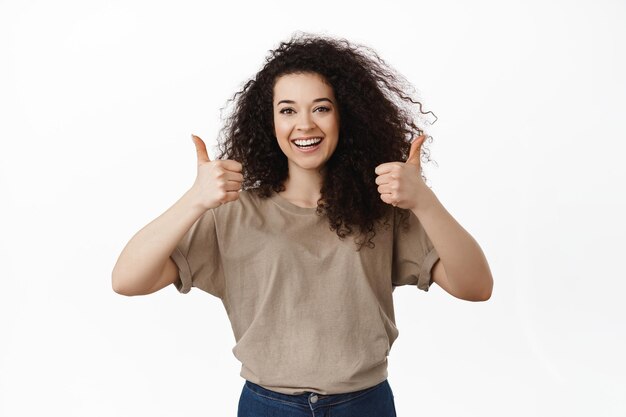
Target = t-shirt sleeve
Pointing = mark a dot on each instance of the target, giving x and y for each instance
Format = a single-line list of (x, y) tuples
[(414, 255), (198, 259)]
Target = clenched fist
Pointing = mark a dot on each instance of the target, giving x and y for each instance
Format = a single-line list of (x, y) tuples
[(217, 182)]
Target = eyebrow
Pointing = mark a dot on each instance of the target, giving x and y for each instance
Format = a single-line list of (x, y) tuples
[(317, 100)]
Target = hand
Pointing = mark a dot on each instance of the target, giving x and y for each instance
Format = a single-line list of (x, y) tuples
[(400, 183), (217, 182)]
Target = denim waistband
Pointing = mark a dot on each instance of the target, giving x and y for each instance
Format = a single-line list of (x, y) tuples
[(309, 396)]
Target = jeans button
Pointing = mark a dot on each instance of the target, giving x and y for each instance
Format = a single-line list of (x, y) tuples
[(314, 398)]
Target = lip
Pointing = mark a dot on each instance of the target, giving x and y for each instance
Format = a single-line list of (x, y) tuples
[(308, 150)]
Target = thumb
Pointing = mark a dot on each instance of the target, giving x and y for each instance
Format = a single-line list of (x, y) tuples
[(203, 155), (414, 152)]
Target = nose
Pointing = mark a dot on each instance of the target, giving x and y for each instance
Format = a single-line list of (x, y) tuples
[(305, 122)]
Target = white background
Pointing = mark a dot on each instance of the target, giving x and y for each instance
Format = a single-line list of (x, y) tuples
[(97, 103)]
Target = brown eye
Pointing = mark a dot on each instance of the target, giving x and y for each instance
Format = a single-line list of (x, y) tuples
[(284, 110)]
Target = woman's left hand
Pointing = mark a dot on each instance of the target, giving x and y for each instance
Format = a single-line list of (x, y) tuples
[(400, 183)]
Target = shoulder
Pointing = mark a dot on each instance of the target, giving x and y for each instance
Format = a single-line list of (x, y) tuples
[(248, 201), (249, 215), (252, 196)]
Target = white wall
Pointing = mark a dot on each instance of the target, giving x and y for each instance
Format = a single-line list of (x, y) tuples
[(97, 103)]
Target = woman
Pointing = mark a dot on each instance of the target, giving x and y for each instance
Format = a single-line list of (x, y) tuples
[(311, 154)]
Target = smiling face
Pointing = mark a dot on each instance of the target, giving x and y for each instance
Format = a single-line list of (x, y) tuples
[(305, 107)]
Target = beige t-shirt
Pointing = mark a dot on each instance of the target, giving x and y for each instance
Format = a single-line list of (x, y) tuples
[(309, 312)]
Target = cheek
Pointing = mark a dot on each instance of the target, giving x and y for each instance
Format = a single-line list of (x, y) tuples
[(329, 126), (282, 129), (335, 124)]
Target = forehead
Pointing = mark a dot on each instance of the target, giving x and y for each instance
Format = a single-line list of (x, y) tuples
[(301, 87)]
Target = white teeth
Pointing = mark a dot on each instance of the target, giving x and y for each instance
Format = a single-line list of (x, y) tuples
[(308, 141)]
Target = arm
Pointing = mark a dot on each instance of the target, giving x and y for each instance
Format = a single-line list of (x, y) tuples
[(462, 269), (144, 265)]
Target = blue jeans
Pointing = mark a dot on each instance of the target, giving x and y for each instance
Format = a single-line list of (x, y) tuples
[(376, 401)]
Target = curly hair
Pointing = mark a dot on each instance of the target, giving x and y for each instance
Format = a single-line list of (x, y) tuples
[(377, 125)]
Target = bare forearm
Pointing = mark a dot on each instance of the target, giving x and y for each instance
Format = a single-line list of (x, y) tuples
[(144, 256), (466, 271), (465, 264)]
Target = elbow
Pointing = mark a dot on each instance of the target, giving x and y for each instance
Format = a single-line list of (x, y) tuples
[(484, 297), (479, 290), (486, 293), (118, 285), (477, 297), (482, 293)]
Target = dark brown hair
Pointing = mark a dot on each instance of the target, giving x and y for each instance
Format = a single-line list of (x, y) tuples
[(377, 125)]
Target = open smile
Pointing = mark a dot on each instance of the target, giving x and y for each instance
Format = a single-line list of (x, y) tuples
[(308, 145)]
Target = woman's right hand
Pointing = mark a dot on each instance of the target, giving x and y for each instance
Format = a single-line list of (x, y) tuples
[(217, 182)]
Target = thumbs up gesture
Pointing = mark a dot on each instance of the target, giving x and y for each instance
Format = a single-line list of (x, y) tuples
[(217, 182), (400, 183)]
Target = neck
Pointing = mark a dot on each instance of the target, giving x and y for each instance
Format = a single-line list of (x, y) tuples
[(304, 185)]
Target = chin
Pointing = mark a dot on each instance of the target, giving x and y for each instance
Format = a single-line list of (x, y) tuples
[(309, 166)]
